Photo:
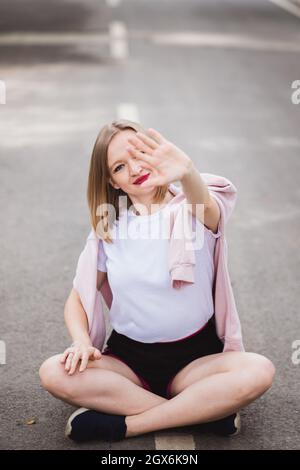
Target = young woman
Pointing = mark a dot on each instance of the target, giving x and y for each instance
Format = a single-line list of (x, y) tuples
[(175, 356)]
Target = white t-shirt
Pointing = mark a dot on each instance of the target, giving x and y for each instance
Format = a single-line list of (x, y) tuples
[(145, 306)]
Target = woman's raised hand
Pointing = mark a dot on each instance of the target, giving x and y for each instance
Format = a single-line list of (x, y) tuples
[(79, 353), (166, 162)]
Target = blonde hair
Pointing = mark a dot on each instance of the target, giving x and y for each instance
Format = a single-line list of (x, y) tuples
[(99, 190)]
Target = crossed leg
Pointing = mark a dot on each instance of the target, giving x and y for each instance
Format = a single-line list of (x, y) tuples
[(207, 389), (107, 385)]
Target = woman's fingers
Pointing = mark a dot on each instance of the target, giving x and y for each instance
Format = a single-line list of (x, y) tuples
[(64, 355), (91, 354), (97, 354), (69, 360), (147, 140), (140, 154), (152, 181), (147, 162), (156, 136), (84, 362), (72, 358), (140, 145), (74, 362)]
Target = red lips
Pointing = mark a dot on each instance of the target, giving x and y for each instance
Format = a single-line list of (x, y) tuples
[(141, 179)]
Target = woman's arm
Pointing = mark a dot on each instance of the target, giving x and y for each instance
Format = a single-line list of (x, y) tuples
[(196, 193), (101, 277), (76, 319), (169, 163), (82, 349)]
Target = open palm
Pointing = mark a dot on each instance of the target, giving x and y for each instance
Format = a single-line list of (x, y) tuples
[(166, 162)]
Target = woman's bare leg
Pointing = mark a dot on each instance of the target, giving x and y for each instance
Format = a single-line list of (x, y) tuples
[(217, 389), (210, 398), (107, 385)]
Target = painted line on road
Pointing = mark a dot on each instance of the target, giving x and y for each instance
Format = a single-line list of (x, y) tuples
[(261, 218), (118, 40), (174, 441), (288, 6), (113, 3), (40, 39), (284, 142), (128, 111), (226, 143), (222, 41), (2, 92)]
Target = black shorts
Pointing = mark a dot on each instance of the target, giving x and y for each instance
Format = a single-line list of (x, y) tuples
[(156, 364)]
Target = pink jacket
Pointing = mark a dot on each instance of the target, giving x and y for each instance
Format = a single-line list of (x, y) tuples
[(181, 267)]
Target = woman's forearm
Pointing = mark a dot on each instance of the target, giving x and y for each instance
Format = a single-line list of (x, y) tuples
[(76, 319), (194, 188), (202, 205)]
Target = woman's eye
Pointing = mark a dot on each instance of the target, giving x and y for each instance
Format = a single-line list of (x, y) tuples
[(116, 169)]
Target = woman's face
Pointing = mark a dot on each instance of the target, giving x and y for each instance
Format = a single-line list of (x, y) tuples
[(124, 168)]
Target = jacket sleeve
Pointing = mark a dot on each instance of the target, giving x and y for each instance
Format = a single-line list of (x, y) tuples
[(225, 193), (85, 283), (81, 281), (227, 319)]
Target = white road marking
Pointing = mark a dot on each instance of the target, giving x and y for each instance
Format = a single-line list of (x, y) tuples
[(288, 6), (284, 142), (2, 92), (118, 37), (128, 111), (220, 144), (113, 3), (118, 41), (174, 441), (259, 218), (2, 352), (235, 41), (60, 39)]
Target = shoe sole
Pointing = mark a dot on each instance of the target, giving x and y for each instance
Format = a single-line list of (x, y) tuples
[(238, 425), (68, 428)]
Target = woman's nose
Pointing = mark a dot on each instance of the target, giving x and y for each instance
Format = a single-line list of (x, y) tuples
[(134, 165)]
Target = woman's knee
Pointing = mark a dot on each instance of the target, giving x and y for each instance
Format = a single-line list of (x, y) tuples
[(258, 372), (53, 376)]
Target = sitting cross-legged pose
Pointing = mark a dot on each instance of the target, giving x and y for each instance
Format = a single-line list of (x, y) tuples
[(157, 255)]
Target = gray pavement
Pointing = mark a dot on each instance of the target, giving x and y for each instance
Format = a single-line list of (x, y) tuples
[(228, 105)]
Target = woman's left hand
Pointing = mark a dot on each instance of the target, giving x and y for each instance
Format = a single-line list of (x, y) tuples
[(166, 162)]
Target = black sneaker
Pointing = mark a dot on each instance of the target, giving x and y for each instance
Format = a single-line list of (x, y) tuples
[(228, 426), (85, 425)]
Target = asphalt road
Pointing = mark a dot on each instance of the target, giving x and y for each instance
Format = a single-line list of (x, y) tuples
[(223, 94)]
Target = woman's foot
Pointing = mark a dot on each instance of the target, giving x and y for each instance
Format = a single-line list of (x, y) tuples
[(84, 425), (228, 426)]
